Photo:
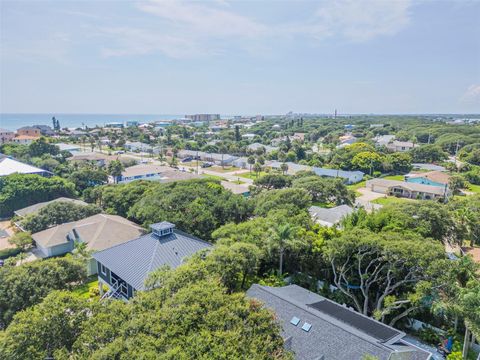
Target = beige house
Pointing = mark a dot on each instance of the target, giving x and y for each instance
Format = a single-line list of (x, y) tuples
[(400, 146), (406, 189), (98, 232)]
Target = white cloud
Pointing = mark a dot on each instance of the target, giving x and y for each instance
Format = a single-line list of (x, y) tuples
[(204, 19), (186, 29), (472, 94)]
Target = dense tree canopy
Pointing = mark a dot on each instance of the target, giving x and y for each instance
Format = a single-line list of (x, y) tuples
[(88, 177), (273, 181), (325, 190), (58, 212), (18, 191), (470, 154), (214, 324), (385, 275), (426, 218), (294, 200), (428, 154), (195, 206), (27, 284), (118, 199)]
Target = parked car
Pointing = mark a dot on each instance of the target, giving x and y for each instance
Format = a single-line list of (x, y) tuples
[(207, 164), (187, 159), (119, 152)]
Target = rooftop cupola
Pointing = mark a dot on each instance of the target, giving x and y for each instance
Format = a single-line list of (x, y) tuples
[(162, 228)]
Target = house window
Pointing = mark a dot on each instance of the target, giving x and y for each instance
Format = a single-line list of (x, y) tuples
[(103, 269)]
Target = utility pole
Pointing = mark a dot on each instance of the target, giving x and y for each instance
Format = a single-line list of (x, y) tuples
[(197, 162), (455, 158)]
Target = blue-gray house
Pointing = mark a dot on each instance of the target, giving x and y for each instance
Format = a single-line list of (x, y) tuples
[(125, 267)]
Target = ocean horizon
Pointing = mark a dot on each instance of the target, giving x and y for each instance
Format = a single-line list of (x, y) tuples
[(13, 121)]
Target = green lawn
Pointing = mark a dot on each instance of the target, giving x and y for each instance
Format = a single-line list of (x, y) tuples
[(474, 188), (84, 289), (395, 177), (358, 185), (389, 200), (252, 175), (214, 177), (219, 169)]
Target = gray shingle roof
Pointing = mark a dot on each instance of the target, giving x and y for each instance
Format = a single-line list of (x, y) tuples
[(329, 217), (328, 336), (134, 260)]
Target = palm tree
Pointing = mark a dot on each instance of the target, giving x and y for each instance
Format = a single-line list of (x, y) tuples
[(83, 139), (115, 169), (257, 168), (282, 237), (251, 161)]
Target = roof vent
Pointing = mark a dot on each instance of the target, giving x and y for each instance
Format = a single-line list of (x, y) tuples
[(162, 228), (306, 327), (294, 321)]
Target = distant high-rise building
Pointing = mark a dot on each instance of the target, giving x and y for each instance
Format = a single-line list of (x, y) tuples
[(203, 117)]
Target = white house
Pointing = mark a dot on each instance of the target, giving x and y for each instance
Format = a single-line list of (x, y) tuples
[(10, 166), (350, 177), (407, 189), (153, 173)]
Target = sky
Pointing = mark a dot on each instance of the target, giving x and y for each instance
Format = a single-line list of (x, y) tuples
[(240, 57)]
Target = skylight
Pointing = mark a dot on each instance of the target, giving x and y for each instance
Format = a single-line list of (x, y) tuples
[(306, 327), (294, 321)]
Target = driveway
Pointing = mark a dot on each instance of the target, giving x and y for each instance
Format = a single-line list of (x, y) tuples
[(365, 200), (5, 232)]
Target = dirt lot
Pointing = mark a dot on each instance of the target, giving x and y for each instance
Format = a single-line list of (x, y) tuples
[(5, 225)]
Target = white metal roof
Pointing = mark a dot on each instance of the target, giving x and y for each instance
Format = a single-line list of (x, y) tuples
[(9, 166)]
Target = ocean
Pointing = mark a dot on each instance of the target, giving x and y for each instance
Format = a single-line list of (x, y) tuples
[(15, 121)]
